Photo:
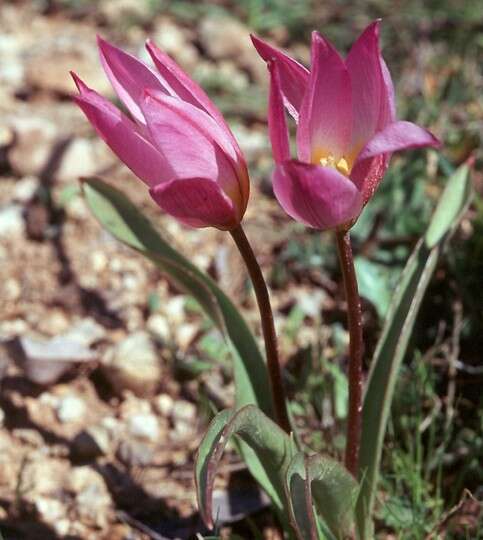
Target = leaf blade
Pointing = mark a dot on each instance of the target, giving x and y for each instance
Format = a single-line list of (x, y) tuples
[(395, 336)]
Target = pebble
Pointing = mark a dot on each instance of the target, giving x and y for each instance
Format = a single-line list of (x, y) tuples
[(164, 404), (134, 365), (159, 327), (134, 453), (144, 426), (25, 189), (183, 411), (11, 221), (93, 502), (71, 409)]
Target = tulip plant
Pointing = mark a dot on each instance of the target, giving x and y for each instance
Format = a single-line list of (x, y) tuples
[(177, 142)]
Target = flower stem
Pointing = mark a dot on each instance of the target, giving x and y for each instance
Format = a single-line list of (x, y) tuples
[(356, 347), (268, 327)]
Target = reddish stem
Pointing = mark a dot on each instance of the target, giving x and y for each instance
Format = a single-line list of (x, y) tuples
[(268, 327), (356, 347)]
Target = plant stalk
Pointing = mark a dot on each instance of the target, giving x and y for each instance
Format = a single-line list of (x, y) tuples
[(356, 348), (268, 327)]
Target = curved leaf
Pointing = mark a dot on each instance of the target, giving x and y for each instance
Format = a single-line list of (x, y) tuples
[(125, 222), (300, 499), (395, 336), (326, 485), (271, 445)]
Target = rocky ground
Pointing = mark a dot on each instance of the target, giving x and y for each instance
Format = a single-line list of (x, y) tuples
[(99, 423)]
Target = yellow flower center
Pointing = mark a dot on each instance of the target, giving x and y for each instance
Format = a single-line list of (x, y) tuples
[(329, 160)]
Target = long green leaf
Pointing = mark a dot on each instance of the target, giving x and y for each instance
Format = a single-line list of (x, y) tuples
[(395, 336), (126, 223), (271, 445)]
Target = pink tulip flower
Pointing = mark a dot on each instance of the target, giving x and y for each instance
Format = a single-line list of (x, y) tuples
[(176, 140), (346, 129)]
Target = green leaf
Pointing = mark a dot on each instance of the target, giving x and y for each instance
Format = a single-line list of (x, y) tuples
[(270, 444), (326, 484), (395, 336), (375, 283), (299, 499), (126, 223)]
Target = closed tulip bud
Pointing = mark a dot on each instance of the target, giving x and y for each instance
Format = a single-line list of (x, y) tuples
[(176, 141)]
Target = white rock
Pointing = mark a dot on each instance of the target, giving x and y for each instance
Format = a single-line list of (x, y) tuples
[(164, 404), (158, 326), (134, 365), (50, 509), (25, 188), (11, 221), (144, 426), (71, 409), (183, 411)]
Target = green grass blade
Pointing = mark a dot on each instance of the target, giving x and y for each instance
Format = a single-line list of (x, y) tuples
[(125, 222), (393, 343)]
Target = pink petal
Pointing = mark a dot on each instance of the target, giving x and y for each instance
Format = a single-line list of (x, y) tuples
[(364, 65), (397, 136), (122, 136), (319, 197), (188, 90), (197, 202), (193, 143), (277, 126), (129, 77), (325, 121), (387, 113), (368, 173), (293, 76)]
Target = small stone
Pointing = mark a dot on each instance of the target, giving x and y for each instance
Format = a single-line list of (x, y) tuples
[(134, 365), (35, 137), (134, 453), (71, 409), (164, 404), (50, 510), (25, 189), (11, 221), (158, 326), (82, 158), (2, 417), (93, 503), (183, 411), (185, 334), (91, 443), (144, 426)]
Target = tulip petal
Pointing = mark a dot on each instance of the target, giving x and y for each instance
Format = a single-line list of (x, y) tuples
[(293, 76), (123, 136), (188, 90), (192, 142), (277, 126), (319, 197), (325, 121), (368, 173), (196, 202), (129, 77), (397, 136), (387, 113), (364, 65)]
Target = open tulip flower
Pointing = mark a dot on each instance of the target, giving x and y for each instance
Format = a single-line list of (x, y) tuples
[(346, 129), (176, 140)]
